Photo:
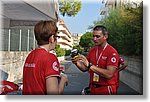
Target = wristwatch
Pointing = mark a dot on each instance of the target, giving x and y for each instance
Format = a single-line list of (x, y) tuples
[(89, 66)]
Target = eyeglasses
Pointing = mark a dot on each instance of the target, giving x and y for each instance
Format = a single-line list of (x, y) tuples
[(97, 36), (56, 37)]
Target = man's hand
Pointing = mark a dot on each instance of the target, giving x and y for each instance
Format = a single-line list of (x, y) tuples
[(64, 78), (83, 59), (82, 63)]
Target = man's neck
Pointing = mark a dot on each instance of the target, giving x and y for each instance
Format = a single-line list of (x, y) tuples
[(46, 47), (102, 45)]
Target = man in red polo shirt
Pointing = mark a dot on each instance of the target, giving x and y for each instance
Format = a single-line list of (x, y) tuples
[(41, 72), (102, 63)]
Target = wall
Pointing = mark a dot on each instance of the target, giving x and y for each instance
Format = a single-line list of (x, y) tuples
[(133, 74), (11, 64)]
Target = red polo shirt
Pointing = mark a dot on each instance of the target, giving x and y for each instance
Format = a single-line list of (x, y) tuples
[(109, 56), (39, 65)]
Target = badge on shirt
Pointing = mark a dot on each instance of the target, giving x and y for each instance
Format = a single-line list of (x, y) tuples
[(113, 60), (55, 66), (96, 77), (104, 58)]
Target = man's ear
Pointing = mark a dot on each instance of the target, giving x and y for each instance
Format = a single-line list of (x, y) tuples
[(51, 39), (105, 37)]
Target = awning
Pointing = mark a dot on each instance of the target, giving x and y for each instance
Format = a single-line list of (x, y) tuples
[(29, 10)]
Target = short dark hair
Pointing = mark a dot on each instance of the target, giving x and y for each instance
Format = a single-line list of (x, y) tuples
[(43, 30), (101, 28)]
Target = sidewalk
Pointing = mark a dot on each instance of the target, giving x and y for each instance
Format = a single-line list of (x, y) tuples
[(126, 90)]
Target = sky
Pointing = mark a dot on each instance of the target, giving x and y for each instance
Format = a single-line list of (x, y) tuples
[(90, 11)]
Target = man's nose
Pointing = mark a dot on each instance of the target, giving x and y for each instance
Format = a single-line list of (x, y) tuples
[(94, 38)]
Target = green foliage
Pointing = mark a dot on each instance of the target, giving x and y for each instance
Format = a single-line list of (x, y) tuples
[(86, 41), (69, 7), (62, 52), (79, 48), (125, 26), (59, 51), (67, 52)]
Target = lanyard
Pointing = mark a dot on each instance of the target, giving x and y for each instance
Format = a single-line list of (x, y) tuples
[(98, 58)]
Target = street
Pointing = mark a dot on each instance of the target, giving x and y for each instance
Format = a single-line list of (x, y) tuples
[(79, 80)]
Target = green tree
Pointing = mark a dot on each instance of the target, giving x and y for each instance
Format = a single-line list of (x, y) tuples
[(59, 51), (79, 48), (86, 41), (69, 7), (125, 26)]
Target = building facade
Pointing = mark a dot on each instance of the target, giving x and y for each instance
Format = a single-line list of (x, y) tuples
[(76, 39), (112, 4), (65, 41)]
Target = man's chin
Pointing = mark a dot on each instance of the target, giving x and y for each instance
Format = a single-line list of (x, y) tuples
[(96, 44)]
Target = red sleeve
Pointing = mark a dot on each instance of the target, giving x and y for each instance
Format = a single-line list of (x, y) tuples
[(113, 59), (121, 60), (52, 66)]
